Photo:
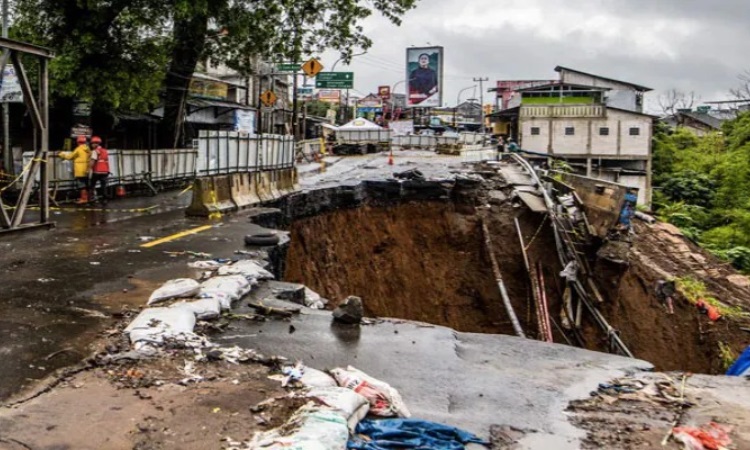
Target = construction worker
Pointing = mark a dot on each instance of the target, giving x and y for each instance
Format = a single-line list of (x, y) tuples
[(80, 157), (99, 164)]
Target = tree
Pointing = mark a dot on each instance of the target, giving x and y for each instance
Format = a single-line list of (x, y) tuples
[(120, 53), (742, 91), (673, 101)]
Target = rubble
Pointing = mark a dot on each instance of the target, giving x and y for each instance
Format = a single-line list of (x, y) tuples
[(350, 311)]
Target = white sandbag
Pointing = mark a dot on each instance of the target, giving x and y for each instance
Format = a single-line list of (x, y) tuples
[(204, 309), (310, 428), (248, 268), (317, 378), (205, 265), (348, 403), (314, 300), (226, 290), (384, 400), (180, 288), (153, 325)]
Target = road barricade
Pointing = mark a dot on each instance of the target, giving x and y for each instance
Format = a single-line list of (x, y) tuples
[(211, 195), (243, 189)]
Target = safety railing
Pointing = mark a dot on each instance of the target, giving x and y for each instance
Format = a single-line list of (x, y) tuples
[(363, 137), (226, 152)]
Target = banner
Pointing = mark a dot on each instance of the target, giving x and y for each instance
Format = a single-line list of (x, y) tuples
[(401, 127), (424, 75), (11, 88), (329, 95), (384, 92), (244, 121)]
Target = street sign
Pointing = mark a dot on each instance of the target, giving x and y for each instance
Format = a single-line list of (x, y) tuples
[(335, 80), (312, 67), (268, 98), (289, 67)]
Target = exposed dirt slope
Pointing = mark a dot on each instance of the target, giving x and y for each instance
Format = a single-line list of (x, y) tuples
[(687, 340)]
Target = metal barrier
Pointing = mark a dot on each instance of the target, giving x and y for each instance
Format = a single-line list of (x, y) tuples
[(479, 155), (227, 152), (417, 141), (363, 137), (308, 149)]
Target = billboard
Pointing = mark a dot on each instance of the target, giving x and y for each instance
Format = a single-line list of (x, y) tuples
[(244, 121), (384, 92), (329, 95), (424, 77)]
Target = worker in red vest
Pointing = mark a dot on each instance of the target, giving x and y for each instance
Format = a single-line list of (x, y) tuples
[(99, 168)]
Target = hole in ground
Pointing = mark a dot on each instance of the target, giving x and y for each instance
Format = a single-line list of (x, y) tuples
[(421, 261)]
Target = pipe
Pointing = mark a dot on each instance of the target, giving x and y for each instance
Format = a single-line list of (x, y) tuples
[(545, 309), (501, 285)]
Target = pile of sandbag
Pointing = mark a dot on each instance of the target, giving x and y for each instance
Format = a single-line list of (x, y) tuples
[(199, 301)]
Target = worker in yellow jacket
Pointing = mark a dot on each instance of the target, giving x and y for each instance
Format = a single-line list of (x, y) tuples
[(80, 156)]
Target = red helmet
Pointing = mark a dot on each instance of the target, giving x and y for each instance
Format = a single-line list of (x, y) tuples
[(96, 140), (81, 139)]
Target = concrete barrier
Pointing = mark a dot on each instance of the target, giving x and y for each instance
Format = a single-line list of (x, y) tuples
[(211, 195), (264, 186), (275, 176), (243, 190)]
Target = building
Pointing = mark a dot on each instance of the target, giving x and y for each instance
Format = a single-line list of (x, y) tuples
[(701, 122), (596, 124)]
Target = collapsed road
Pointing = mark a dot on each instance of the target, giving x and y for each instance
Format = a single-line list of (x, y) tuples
[(413, 251)]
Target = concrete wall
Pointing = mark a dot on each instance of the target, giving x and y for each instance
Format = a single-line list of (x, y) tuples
[(587, 138)]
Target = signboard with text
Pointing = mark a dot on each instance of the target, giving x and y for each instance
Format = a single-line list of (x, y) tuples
[(11, 88), (334, 80)]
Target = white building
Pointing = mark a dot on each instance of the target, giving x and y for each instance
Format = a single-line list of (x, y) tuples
[(595, 124)]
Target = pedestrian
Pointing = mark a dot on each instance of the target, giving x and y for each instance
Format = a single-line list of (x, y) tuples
[(80, 157), (99, 168), (512, 146)]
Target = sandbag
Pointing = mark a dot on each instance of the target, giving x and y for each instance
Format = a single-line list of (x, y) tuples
[(348, 403), (310, 428), (314, 300), (205, 265), (179, 288), (204, 309), (317, 378), (248, 268), (153, 325), (226, 290), (384, 400)]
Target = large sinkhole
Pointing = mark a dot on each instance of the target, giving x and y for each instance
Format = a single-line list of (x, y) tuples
[(422, 261)]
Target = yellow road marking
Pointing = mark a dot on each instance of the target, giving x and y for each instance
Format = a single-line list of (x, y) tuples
[(176, 236)]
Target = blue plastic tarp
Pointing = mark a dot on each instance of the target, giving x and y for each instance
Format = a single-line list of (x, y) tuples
[(389, 434), (742, 366)]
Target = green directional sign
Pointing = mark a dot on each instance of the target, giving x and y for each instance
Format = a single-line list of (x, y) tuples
[(334, 80), (289, 67)]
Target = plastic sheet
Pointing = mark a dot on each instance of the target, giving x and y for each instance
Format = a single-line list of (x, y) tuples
[(389, 434)]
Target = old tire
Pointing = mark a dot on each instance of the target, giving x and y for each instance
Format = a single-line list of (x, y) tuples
[(262, 239)]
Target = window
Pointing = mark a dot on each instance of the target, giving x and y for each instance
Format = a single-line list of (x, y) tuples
[(570, 131), (635, 131), (536, 131), (604, 131)]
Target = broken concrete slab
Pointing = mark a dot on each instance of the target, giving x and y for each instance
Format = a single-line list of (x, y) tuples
[(350, 311)]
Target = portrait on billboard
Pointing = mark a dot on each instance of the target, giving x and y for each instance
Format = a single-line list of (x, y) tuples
[(424, 68)]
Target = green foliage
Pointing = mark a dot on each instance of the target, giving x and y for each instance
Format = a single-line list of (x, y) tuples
[(703, 186), (695, 291), (727, 356), (318, 108)]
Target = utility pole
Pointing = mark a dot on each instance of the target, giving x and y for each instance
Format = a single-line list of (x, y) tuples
[(8, 155), (481, 98)]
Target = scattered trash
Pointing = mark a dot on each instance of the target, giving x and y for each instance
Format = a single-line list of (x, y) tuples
[(314, 300), (384, 400), (292, 373), (410, 433), (146, 238), (45, 280), (191, 376), (741, 367), (710, 437), (350, 311), (570, 273), (95, 263), (199, 254), (311, 427), (711, 311), (134, 251), (274, 307), (348, 403), (179, 288), (254, 254)]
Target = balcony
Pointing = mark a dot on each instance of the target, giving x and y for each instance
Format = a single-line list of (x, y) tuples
[(563, 111)]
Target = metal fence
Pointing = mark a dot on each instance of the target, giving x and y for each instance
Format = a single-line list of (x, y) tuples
[(225, 152), (213, 153), (359, 137), (479, 155)]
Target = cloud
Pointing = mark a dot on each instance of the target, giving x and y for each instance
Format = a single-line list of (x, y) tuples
[(690, 45)]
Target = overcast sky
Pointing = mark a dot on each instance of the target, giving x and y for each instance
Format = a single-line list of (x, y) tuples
[(690, 45)]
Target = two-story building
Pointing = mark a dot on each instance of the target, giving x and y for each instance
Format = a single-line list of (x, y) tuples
[(595, 124)]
